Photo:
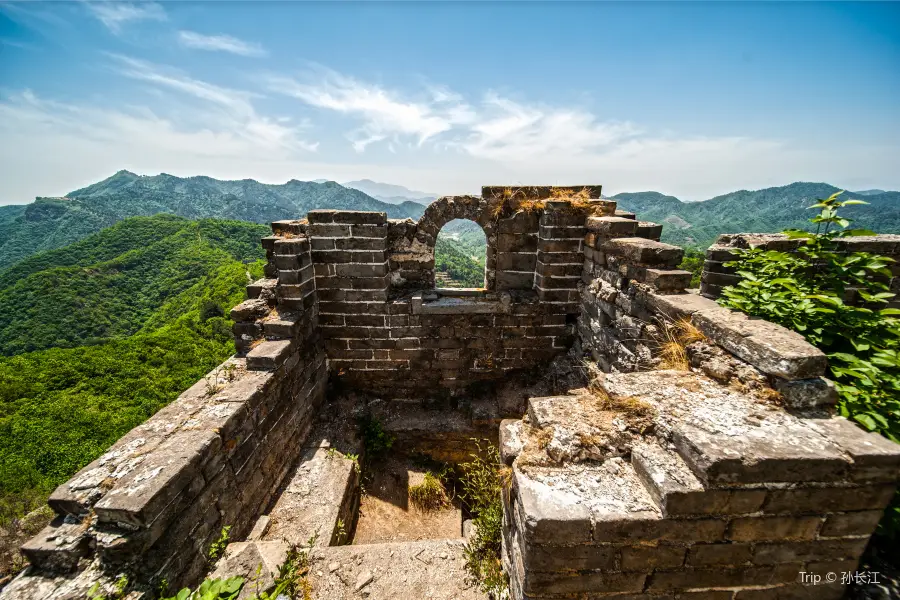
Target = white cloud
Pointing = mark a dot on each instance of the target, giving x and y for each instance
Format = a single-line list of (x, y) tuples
[(435, 139), (224, 108), (384, 114), (220, 43), (115, 14)]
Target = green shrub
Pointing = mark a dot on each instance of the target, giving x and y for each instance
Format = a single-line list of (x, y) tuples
[(805, 291), (375, 439), (430, 494), (483, 481)]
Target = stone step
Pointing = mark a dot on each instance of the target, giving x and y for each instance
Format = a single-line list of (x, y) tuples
[(284, 326), (433, 569), (319, 501), (677, 491), (256, 288)]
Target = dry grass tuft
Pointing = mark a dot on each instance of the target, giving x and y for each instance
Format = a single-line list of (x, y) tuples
[(430, 494), (677, 336), (543, 437)]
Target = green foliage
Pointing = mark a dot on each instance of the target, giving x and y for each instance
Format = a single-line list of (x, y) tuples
[(109, 285), (483, 481), (60, 408), (806, 292), (212, 589), (696, 224), (217, 548), (459, 252), (693, 261), (119, 590), (376, 440)]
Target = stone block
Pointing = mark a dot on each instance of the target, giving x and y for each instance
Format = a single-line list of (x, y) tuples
[(828, 499), (651, 231), (822, 550), (624, 214), (549, 515), (146, 494), (574, 582), (807, 393), (60, 545), (643, 252), (769, 347), (611, 226), (704, 555), (647, 558), (569, 558), (287, 227), (269, 355), (678, 492), (694, 578), (660, 279), (875, 458), (852, 523), (250, 310)]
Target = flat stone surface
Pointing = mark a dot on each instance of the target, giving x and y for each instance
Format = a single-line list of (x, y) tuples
[(268, 355), (59, 545), (643, 251), (727, 437), (561, 503), (144, 494), (311, 503), (416, 570)]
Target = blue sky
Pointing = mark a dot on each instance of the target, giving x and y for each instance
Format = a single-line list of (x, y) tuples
[(688, 99)]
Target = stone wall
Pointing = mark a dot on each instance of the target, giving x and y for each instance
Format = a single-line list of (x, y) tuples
[(717, 276), (388, 330), (719, 496), (154, 502)]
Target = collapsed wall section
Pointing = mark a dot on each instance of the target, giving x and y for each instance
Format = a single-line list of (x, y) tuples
[(722, 476)]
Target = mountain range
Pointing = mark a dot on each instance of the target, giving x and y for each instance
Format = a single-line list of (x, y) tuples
[(388, 192), (50, 223), (696, 224)]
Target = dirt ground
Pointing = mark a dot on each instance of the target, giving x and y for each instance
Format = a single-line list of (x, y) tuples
[(386, 514)]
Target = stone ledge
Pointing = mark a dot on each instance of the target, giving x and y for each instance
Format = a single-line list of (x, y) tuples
[(770, 348)]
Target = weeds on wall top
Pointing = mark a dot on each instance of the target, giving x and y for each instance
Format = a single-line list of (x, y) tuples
[(809, 292)]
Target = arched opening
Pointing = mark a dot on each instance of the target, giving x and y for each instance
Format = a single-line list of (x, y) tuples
[(460, 253)]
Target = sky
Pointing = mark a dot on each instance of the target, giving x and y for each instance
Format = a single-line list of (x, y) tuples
[(688, 99)]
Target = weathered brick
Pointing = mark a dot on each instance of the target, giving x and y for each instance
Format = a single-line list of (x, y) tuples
[(773, 528), (701, 555), (826, 500), (851, 523), (646, 558)]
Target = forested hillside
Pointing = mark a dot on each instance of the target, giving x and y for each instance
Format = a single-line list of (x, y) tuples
[(459, 254), (151, 296), (768, 210), (51, 223)]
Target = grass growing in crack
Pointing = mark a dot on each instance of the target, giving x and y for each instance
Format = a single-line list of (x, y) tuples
[(483, 480), (430, 494), (217, 548)]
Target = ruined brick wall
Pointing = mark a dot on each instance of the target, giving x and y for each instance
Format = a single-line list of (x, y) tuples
[(624, 268), (724, 499), (155, 501), (387, 330), (717, 276)]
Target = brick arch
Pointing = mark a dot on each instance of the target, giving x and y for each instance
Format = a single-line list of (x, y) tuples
[(471, 208)]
